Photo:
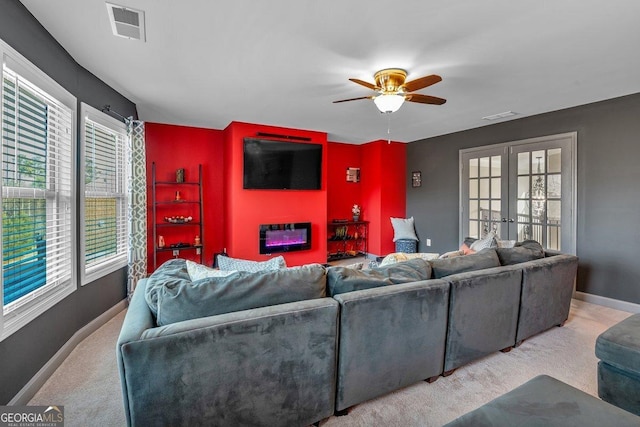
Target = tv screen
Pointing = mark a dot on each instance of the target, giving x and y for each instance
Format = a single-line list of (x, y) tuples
[(279, 165)]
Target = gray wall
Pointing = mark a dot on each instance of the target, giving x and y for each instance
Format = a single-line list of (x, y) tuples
[(608, 199), (26, 351)]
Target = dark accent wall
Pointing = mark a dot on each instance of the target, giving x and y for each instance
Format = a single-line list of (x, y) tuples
[(26, 351), (608, 181)]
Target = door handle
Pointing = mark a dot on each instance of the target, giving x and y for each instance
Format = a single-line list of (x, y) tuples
[(508, 220), (511, 220), (504, 219)]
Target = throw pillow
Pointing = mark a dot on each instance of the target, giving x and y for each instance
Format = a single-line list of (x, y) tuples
[(341, 280), (506, 243), (236, 264), (403, 228), (198, 271), (489, 241)]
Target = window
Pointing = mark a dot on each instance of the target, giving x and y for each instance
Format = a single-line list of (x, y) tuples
[(38, 123), (104, 205)]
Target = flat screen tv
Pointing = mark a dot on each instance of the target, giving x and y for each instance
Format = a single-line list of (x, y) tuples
[(280, 165)]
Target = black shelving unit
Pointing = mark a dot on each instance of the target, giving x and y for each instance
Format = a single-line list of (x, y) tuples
[(347, 239), (160, 207)]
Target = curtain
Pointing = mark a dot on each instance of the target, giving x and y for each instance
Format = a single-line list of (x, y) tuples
[(137, 212)]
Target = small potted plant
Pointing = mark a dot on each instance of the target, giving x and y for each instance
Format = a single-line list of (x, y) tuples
[(355, 210)]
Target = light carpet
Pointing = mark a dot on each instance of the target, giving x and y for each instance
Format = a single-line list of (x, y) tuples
[(88, 385)]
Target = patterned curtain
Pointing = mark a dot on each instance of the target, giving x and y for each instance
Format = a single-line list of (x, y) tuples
[(137, 214)]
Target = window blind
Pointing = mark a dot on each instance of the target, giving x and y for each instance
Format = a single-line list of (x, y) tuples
[(36, 191), (105, 193)]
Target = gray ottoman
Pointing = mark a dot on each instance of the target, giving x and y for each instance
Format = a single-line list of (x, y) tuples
[(545, 401), (618, 349)]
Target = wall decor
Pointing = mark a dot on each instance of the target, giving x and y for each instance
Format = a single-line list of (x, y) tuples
[(353, 174), (416, 179)]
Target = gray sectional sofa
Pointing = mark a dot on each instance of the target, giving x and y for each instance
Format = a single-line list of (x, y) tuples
[(294, 346)]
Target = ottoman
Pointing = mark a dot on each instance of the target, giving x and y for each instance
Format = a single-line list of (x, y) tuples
[(545, 401), (618, 349)]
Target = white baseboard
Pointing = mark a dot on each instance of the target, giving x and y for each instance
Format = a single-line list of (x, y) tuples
[(608, 302), (31, 388)]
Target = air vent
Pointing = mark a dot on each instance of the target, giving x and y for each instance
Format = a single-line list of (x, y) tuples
[(500, 115), (126, 22)]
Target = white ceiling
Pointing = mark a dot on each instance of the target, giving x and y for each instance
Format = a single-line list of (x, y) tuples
[(282, 62)]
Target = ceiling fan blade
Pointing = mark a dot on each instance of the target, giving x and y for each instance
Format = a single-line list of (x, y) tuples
[(421, 83), (365, 84), (425, 99), (353, 99)]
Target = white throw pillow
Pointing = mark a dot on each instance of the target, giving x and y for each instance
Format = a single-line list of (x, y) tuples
[(198, 271), (403, 228), (489, 241), (228, 263)]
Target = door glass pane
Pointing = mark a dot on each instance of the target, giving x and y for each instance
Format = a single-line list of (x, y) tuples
[(473, 168), (496, 163), (524, 232), (473, 229), (538, 161), (473, 188), (523, 163), (484, 188), (554, 189), (473, 209), (554, 240), (523, 211), (553, 212), (484, 166), (496, 188), (523, 187), (536, 233), (537, 210), (538, 188), (554, 160)]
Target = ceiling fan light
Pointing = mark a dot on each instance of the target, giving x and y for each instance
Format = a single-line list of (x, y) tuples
[(388, 103)]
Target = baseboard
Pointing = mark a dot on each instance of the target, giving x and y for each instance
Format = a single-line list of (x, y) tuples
[(608, 302), (37, 381)]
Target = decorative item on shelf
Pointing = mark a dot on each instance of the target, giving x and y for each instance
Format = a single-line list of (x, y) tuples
[(178, 219), (355, 210), (353, 174), (196, 241), (161, 241), (178, 197), (180, 175)]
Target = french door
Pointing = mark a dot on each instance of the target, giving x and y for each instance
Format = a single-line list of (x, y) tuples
[(521, 190)]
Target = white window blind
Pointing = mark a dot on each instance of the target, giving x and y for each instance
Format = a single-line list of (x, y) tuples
[(104, 142), (37, 152)]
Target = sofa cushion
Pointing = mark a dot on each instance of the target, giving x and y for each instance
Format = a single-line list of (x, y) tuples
[(486, 258), (173, 297), (236, 264), (341, 280), (521, 252)]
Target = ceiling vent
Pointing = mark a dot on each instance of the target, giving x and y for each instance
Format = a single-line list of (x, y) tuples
[(499, 115), (126, 22)]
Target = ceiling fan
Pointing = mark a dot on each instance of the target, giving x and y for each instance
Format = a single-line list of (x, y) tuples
[(392, 90)]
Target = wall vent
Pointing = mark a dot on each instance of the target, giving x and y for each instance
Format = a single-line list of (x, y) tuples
[(126, 22)]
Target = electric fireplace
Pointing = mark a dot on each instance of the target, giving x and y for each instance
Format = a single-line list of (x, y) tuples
[(285, 237)]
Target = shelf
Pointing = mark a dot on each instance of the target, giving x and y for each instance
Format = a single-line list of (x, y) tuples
[(178, 202), (337, 224), (181, 248), (175, 183), (163, 224), (338, 257)]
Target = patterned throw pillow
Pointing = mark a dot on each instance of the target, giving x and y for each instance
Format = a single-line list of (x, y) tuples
[(403, 228), (228, 263), (198, 271), (489, 241)]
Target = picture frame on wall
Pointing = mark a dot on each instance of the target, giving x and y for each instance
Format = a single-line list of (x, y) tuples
[(416, 179)]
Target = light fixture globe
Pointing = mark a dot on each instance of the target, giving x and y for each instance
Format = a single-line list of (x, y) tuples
[(388, 103)]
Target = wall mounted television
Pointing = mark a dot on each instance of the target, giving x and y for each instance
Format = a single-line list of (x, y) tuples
[(280, 165)]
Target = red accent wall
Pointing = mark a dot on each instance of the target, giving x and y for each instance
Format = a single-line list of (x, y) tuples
[(383, 178), (173, 147), (245, 210), (342, 195)]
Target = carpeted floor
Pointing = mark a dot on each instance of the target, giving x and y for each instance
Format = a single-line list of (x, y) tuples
[(88, 385)]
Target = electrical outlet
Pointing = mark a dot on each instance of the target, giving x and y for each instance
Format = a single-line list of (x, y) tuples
[(428, 242)]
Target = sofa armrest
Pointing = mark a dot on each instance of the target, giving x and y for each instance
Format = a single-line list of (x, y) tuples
[(272, 365)]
